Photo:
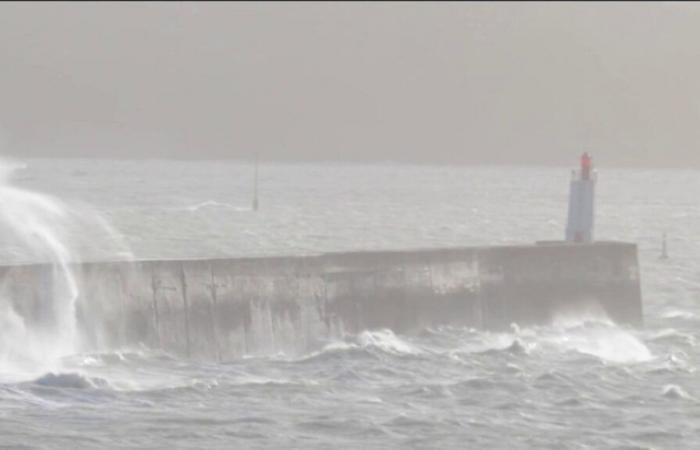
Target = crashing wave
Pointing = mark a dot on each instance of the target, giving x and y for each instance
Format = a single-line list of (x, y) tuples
[(39, 327), (386, 341), (675, 392), (71, 380)]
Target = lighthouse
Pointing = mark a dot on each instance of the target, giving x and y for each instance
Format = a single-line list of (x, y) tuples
[(579, 227)]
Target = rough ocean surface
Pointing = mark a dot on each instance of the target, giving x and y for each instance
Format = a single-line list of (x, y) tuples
[(582, 382)]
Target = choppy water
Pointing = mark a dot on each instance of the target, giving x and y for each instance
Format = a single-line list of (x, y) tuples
[(582, 382)]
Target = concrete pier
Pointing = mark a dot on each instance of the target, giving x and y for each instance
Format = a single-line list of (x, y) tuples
[(220, 309)]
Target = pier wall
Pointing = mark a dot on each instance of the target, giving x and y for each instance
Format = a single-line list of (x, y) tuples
[(220, 309)]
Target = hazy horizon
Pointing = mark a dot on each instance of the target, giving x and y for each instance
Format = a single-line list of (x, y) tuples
[(443, 83)]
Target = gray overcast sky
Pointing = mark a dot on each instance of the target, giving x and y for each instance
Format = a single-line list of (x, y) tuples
[(442, 83)]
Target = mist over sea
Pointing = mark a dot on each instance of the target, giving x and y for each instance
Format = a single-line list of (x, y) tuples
[(581, 382)]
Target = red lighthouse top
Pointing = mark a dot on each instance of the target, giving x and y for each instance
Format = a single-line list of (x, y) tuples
[(585, 166)]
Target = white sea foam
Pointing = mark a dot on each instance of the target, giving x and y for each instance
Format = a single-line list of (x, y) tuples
[(387, 341), (609, 344), (590, 335), (382, 339), (589, 330), (677, 314), (214, 204)]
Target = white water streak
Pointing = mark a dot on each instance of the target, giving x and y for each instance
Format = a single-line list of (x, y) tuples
[(37, 330)]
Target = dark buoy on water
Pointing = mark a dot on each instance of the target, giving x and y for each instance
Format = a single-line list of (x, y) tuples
[(255, 185), (664, 251)]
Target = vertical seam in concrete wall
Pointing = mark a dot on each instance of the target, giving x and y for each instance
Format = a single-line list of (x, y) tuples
[(185, 305), (479, 297), (637, 281), (122, 304), (213, 307), (156, 319), (248, 323), (323, 313), (372, 295)]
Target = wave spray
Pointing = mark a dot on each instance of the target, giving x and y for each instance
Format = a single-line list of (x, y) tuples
[(39, 234)]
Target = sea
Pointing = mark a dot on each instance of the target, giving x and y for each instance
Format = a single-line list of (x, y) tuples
[(577, 383)]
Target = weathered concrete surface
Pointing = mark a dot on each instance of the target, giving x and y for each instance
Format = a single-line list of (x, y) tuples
[(222, 308)]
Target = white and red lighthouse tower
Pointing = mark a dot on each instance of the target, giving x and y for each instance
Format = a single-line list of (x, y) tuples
[(579, 227)]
